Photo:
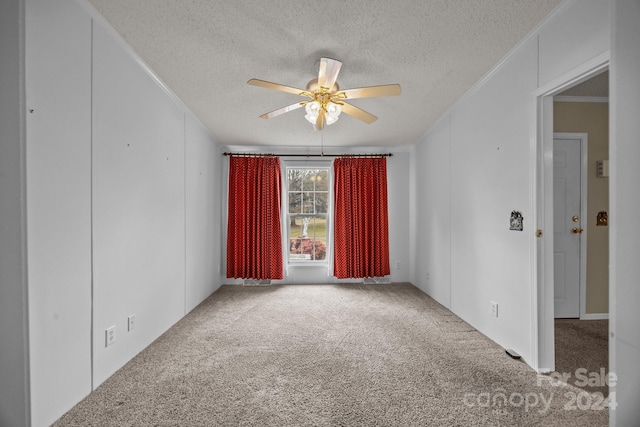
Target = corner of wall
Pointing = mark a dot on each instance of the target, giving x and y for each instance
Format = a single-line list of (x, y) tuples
[(14, 351)]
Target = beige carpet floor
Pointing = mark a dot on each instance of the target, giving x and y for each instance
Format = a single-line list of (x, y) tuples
[(328, 355), (582, 353)]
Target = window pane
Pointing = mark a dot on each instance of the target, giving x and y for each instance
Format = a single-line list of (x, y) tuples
[(294, 178), (309, 180), (295, 202), (307, 203), (321, 203), (295, 226), (308, 239), (320, 227), (322, 180), (319, 251), (318, 234)]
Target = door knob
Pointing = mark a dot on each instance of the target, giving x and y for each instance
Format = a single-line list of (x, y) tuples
[(577, 230)]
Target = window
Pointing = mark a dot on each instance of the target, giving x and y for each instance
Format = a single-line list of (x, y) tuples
[(308, 213)]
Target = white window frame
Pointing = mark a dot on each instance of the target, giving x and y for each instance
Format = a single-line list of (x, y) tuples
[(307, 164)]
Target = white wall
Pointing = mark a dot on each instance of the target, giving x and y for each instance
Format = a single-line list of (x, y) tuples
[(58, 91), (398, 190), (123, 214), (203, 163), (625, 204), (14, 403), (489, 180), (138, 205), (573, 37), (488, 135), (432, 248)]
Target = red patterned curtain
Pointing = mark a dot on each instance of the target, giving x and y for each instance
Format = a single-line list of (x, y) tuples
[(254, 243), (361, 233)]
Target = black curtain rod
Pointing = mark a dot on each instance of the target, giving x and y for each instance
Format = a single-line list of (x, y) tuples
[(307, 155)]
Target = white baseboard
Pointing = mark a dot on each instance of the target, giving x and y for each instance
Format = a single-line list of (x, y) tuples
[(595, 316)]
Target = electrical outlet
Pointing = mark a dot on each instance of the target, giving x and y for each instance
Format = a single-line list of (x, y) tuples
[(397, 265), (494, 309), (110, 336), (131, 322), (428, 276)]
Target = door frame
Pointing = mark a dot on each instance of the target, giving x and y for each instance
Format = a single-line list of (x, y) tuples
[(583, 137), (541, 198)]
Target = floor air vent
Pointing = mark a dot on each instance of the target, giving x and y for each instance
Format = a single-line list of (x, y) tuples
[(251, 282), (375, 280)]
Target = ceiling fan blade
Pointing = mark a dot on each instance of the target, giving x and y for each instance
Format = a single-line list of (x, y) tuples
[(283, 110), (328, 73), (320, 121), (370, 91), (276, 86), (358, 113)]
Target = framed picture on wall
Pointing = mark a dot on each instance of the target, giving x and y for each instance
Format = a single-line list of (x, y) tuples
[(515, 223)]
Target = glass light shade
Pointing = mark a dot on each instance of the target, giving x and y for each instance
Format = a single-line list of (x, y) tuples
[(333, 113), (312, 109), (334, 109)]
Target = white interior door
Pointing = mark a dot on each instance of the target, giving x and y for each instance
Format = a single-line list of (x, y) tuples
[(567, 223)]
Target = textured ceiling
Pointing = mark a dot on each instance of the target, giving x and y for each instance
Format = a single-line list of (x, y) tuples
[(597, 86), (205, 51)]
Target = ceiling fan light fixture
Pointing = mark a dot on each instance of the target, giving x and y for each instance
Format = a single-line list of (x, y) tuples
[(331, 112)]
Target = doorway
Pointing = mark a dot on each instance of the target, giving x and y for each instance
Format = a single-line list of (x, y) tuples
[(581, 237), (543, 300)]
